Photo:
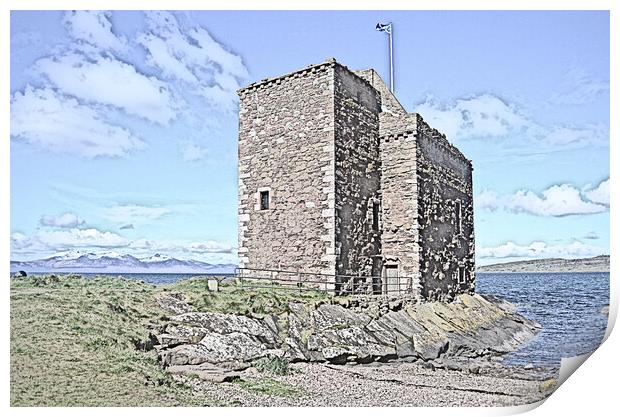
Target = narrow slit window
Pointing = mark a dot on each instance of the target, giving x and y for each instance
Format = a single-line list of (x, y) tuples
[(462, 275), (264, 200), (375, 216)]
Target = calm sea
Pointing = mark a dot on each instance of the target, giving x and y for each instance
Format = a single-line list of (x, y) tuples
[(567, 305)]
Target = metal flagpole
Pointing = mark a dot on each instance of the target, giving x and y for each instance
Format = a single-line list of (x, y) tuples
[(388, 29), (391, 61)]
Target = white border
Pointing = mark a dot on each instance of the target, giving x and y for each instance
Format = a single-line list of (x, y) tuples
[(591, 391)]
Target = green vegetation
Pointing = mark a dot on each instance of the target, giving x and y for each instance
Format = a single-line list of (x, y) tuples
[(73, 343), (232, 298), (269, 386), (78, 342), (275, 365)]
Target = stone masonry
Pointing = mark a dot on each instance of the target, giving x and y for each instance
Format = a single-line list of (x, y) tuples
[(336, 178)]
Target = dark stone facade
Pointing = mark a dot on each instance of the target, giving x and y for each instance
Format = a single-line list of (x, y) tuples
[(336, 178)]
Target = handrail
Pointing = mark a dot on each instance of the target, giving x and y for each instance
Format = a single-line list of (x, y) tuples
[(352, 286), (316, 273)]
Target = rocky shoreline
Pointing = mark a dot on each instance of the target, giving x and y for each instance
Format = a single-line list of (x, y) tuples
[(110, 341), (468, 336)]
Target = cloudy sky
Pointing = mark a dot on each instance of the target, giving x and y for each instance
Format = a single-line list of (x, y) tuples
[(124, 124)]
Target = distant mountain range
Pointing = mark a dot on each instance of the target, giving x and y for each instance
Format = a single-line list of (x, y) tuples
[(112, 262), (596, 264)]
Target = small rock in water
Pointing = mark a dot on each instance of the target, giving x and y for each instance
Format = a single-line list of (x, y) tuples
[(605, 311)]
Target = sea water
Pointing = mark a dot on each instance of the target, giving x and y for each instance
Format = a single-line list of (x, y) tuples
[(567, 305)]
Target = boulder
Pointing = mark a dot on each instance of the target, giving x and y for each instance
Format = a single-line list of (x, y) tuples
[(207, 372), (175, 303), (225, 324)]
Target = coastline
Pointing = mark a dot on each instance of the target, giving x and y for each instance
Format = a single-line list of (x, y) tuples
[(597, 264), (86, 342)]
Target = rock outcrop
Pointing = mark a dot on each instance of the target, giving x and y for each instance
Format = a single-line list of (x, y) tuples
[(472, 326)]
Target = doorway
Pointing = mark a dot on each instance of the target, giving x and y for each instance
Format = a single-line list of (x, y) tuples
[(391, 282)]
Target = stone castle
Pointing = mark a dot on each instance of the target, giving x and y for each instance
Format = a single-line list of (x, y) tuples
[(337, 179)]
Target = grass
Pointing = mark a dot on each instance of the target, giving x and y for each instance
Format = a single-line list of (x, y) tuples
[(275, 366), (234, 299), (75, 341)]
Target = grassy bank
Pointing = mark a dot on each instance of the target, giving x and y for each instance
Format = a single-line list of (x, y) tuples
[(75, 341)]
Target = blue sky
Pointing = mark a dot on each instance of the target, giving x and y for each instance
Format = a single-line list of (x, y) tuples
[(124, 124)]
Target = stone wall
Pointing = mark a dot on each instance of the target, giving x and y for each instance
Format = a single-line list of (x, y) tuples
[(286, 146), (445, 213), (389, 103), (358, 242), (399, 222)]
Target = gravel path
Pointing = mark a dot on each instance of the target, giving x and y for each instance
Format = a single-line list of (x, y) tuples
[(400, 384)]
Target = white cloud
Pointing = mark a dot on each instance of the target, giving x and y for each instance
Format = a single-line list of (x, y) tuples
[(19, 241), (94, 27), (100, 76), (487, 200), (160, 56), (61, 124), (168, 247), (81, 238), (538, 249), (599, 194), (105, 80), (591, 235), (570, 136), (557, 200), (209, 246), (479, 116), (579, 87), (135, 214), (194, 58), (43, 243), (192, 152), (64, 220), (55, 240), (228, 62), (486, 116)]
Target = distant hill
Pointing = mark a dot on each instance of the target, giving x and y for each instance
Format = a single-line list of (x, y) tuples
[(596, 264), (112, 262)]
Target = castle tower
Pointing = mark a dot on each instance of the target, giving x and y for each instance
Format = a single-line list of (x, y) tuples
[(336, 178), (309, 173), (427, 228)]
